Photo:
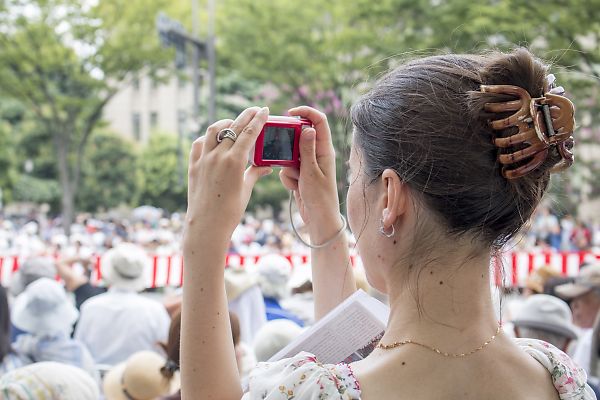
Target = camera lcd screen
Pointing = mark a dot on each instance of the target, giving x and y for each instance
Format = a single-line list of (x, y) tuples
[(278, 143)]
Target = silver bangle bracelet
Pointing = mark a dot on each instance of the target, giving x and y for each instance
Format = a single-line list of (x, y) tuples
[(316, 246)]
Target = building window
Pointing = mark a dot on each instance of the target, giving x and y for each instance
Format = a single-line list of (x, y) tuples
[(153, 120), (137, 126), (136, 83)]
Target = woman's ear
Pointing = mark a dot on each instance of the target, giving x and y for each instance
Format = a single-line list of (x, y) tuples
[(395, 197)]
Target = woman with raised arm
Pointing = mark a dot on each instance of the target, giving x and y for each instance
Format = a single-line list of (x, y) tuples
[(450, 156)]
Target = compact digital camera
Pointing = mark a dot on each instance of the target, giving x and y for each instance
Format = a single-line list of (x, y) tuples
[(277, 144)]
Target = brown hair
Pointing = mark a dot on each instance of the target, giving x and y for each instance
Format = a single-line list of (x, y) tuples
[(172, 347), (235, 328), (426, 121)]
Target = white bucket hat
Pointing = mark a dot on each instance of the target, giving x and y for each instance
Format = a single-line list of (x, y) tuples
[(31, 270), (48, 380), (44, 308), (274, 336), (274, 272), (124, 267), (547, 313)]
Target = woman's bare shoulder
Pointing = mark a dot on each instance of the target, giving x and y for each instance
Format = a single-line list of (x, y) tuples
[(506, 371)]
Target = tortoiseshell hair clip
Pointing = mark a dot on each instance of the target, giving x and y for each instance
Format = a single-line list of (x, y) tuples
[(542, 122)]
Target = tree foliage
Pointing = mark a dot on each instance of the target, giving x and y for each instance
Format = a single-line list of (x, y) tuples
[(64, 60), (316, 47), (164, 174), (110, 175)]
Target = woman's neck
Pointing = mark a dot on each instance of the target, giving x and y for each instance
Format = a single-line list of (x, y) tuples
[(447, 306)]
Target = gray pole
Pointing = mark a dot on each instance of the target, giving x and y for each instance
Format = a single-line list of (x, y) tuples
[(212, 109), (196, 66)]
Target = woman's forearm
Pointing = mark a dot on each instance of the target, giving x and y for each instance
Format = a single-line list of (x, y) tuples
[(333, 276), (208, 364)]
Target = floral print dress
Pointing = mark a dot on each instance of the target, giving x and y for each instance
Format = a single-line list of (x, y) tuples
[(303, 378)]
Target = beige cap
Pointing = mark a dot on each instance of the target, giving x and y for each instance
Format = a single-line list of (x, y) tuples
[(588, 279), (139, 378)]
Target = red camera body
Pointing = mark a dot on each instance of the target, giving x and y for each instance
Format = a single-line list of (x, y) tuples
[(278, 144)]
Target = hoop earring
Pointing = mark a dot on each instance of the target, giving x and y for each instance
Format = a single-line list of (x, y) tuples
[(384, 233)]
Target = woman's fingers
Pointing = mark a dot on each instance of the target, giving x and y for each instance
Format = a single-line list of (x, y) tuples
[(289, 178), (308, 152), (252, 175), (210, 141), (247, 136), (324, 151), (196, 151), (291, 172), (238, 126), (318, 119)]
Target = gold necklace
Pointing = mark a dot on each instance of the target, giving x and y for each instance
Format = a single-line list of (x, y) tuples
[(436, 350)]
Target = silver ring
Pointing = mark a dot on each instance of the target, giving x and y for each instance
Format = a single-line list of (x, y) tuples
[(226, 134)]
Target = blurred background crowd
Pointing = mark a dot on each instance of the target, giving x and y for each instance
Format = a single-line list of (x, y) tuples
[(158, 232), (54, 317)]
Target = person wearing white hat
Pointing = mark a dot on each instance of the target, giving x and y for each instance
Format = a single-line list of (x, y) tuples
[(301, 301), (48, 380), (584, 298), (547, 318), (274, 336), (121, 322), (45, 312), (246, 301), (274, 272), (31, 270)]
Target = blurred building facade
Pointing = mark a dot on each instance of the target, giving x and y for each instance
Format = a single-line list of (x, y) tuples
[(147, 106)]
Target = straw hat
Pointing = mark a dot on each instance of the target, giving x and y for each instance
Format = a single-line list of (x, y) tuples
[(44, 309), (125, 265), (139, 378), (237, 281), (547, 313), (539, 277)]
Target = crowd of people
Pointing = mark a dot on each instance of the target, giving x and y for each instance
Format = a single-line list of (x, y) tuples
[(125, 343), (113, 341), (548, 232), (92, 337), (161, 233)]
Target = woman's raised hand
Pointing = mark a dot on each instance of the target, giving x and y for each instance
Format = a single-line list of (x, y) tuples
[(219, 185), (314, 184)]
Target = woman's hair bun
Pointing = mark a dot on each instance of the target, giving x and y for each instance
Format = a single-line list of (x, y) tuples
[(517, 68), (427, 120)]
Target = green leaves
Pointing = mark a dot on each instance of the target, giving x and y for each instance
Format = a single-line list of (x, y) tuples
[(164, 173)]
